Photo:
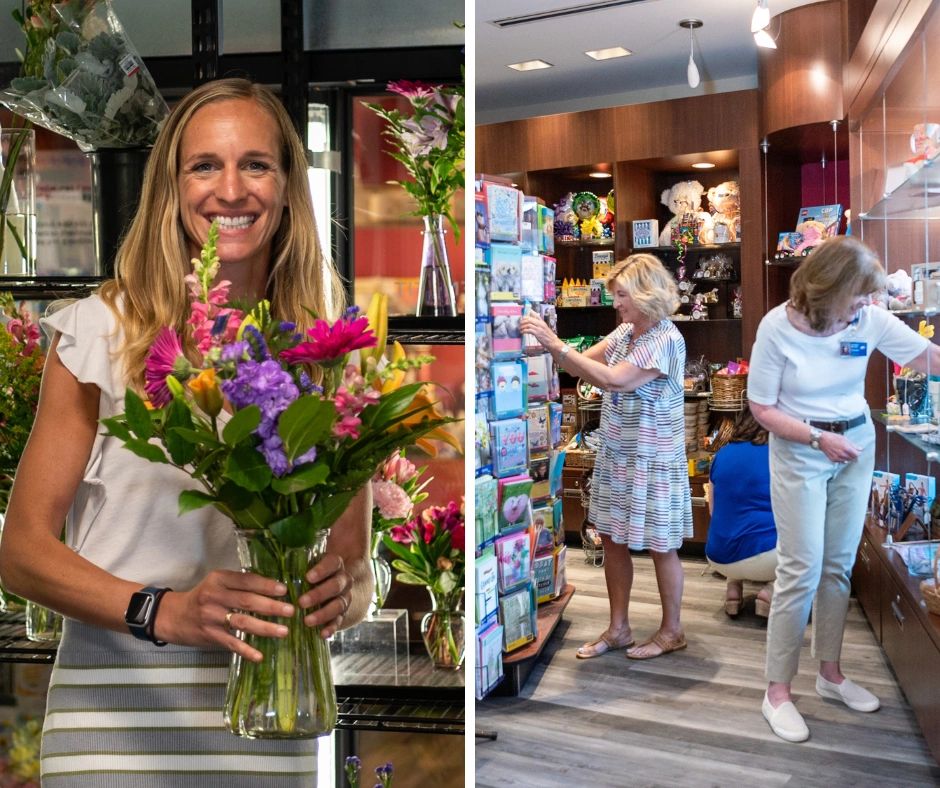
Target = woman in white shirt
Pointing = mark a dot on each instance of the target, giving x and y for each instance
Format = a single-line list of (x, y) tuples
[(807, 387)]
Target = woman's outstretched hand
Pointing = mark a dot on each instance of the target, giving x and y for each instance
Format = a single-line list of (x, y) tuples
[(532, 324)]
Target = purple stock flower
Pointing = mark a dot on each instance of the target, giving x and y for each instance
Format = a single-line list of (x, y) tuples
[(234, 352)]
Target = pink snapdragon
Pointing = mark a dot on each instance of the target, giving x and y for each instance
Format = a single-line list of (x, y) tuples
[(351, 398), (24, 331)]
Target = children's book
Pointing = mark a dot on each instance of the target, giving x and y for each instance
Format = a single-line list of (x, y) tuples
[(504, 210), (882, 485), (538, 470), (543, 568), (531, 228), (483, 354), (561, 577), (509, 388), (537, 418), (556, 466), (489, 662), (515, 560), (554, 423), (485, 502), (558, 520), (549, 266), (544, 529), (509, 447), (481, 276), (507, 337), (505, 264), (481, 220), (921, 490), (514, 498), (518, 616), (484, 459), (486, 575), (539, 377), (547, 235), (532, 273)]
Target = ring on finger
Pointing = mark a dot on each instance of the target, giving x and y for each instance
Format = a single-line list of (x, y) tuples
[(228, 621)]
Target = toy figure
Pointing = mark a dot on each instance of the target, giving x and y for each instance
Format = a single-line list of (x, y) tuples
[(725, 202), (566, 220), (684, 200)]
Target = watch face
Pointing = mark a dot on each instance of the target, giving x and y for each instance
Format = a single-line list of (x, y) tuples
[(138, 611)]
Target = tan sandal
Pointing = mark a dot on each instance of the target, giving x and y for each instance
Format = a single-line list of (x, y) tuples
[(664, 643), (604, 644), (733, 606), (762, 607)]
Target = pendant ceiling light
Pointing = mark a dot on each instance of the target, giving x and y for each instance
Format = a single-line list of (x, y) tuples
[(761, 17), (692, 71)]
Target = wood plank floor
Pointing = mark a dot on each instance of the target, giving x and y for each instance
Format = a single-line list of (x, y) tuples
[(691, 718)]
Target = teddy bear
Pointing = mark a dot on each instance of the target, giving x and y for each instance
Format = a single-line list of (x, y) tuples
[(725, 202), (689, 221)]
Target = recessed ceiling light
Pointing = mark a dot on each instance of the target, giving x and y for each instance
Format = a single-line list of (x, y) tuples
[(703, 165), (607, 54), (600, 175), (529, 65)]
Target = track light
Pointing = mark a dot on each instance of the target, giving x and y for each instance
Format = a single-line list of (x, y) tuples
[(761, 17), (692, 70)]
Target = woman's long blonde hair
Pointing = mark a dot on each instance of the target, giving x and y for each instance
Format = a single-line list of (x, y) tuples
[(148, 291)]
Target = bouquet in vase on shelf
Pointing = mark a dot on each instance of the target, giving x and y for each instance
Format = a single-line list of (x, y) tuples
[(397, 488), (430, 551), (279, 431)]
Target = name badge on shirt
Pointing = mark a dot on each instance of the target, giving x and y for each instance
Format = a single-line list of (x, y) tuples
[(853, 349)]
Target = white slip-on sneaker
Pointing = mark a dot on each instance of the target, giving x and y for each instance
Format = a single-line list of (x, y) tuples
[(785, 720), (855, 697)]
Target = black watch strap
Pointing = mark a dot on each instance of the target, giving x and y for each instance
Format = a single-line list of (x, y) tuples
[(141, 613)]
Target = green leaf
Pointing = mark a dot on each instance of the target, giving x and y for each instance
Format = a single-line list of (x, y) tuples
[(247, 467), (397, 548), (234, 496), (410, 579), (190, 500), (305, 423), (392, 405), (241, 425), (297, 530), (182, 451), (448, 582), (146, 450), (255, 515), (117, 428), (199, 437), (205, 463), (303, 478), (326, 509), (137, 415)]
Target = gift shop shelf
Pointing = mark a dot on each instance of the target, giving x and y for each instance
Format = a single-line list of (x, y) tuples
[(14, 646), (519, 664), (916, 198), (44, 288), (411, 330), (931, 450)]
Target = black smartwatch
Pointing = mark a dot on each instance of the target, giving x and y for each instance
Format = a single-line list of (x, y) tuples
[(142, 613)]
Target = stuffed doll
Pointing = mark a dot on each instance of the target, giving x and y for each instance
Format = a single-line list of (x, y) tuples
[(725, 202), (566, 220), (588, 208), (684, 199)]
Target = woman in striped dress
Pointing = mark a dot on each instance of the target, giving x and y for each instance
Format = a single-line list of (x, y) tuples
[(121, 710), (640, 493)]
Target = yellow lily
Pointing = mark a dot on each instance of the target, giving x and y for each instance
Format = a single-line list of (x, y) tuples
[(377, 315)]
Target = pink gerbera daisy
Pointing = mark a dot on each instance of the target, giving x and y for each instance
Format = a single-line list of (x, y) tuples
[(329, 345), (165, 357)]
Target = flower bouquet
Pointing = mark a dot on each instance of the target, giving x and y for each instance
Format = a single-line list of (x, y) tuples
[(353, 767), (396, 489), (19, 761), (430, 144), (307, 431), (82, 77), (430, 552)]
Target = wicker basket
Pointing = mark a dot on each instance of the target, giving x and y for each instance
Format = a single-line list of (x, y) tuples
[(728, 392), (930, 589)]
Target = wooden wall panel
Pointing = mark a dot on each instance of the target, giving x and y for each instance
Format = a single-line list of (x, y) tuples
[(801, 80), (639, 131)]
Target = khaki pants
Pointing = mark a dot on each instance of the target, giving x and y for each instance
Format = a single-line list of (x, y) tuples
[(819, 507), (760, 568)]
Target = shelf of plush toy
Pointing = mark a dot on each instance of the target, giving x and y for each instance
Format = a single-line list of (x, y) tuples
[(595, 242), (790, 261), (731, 245)]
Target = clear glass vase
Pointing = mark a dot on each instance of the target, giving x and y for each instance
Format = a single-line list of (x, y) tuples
[(436, 288), (9, 603), (17, 202), (42, 624), (382, 576), (443, 630), (290, 693)]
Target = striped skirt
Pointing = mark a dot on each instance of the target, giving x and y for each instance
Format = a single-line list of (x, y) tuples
[(122, 712)]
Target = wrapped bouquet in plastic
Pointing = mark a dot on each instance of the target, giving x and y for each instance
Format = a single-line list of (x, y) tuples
[(83, 78)]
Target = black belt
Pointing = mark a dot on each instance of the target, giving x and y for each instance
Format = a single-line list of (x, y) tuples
[(839, 426)]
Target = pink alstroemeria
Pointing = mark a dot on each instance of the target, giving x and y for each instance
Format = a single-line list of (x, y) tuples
[(397, 469), (165, 356), (25, 332), (411, 90), (403, 534), (329, 345)]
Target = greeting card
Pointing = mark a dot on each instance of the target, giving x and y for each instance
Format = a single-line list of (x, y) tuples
[(555, 410), (514, 498), (489, 662), (505, 264), (549, 266), (514, 560), (485, 501), (509, 447), (504, 210), (547, 234), (537, 418), (486, 571), (531, 226), (539, 470), (483, 354), (481, 220), (484, 460), (518, 617), (507, 337), (543, 568), (509, 388), (533, 277)]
